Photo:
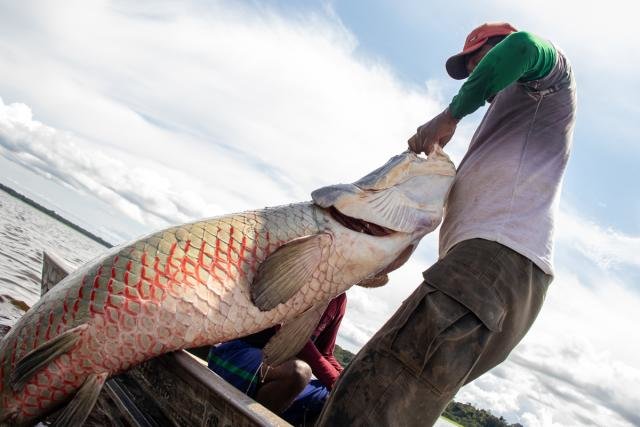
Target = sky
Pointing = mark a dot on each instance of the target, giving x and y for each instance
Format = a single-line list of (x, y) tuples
[(126, 117)]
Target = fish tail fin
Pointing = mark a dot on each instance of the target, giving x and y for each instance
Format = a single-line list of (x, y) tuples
[(44, 354), (79, 408)]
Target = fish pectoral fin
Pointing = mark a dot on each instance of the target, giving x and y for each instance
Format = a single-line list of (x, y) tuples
[(292, 336), (44, 354), (79, 408), (286, 270)]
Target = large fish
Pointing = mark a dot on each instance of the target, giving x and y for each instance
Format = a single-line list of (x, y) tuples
[(213, 280)]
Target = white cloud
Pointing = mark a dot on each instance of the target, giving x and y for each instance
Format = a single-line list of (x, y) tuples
[(569, 384), (607, 248), (606, 29), (287, 96), (136, 189), (577, 366), (198, 110), (250, 106)]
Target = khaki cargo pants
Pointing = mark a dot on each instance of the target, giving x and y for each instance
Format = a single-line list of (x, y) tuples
[(472, 309)]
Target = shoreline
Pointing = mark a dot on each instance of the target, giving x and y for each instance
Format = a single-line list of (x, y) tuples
[(54, 215)]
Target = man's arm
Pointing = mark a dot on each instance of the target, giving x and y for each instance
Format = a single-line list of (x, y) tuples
[(321, 367), (521, 56), (326, 340), (318, 352)]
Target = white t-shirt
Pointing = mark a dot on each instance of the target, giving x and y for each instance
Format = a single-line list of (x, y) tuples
[(508, 184)]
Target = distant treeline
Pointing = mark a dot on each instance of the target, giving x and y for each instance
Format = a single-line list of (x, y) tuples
[(469, 416), (344, 357), (54, 215), (464, 414)]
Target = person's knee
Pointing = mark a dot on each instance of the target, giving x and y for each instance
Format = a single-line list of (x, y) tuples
[(300, 373), (296, 374)]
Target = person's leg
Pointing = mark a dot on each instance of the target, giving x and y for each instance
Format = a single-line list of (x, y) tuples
[(307, 406), (474, 306), (388, 384), (240, 364), (282, 383)]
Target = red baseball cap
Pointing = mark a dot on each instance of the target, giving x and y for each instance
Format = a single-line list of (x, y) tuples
[(456, 66)]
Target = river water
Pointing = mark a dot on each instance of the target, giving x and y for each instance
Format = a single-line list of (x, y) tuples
[(24, 233)]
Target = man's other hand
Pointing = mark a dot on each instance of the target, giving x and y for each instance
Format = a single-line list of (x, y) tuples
[(438, 130)]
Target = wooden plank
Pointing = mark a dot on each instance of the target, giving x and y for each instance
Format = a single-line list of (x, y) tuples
[(175, 389), (191, 394)]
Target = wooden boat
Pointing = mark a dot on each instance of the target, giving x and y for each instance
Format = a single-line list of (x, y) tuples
[(175, 389)]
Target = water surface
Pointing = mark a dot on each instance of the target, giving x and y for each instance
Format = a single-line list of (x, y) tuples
[(24, 233)]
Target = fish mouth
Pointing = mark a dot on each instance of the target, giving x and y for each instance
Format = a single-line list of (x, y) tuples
[(359, 225)]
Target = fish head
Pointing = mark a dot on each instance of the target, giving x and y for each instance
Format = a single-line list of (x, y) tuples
[(406, 195)]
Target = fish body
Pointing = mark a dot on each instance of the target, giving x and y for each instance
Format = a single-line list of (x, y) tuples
[(211, 281)]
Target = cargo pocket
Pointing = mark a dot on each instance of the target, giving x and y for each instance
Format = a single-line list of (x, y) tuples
[(469, 275), (437, 339)]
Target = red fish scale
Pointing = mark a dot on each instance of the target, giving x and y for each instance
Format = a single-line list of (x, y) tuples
[(156, 295)]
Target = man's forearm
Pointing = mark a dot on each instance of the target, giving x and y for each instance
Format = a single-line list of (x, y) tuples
[(521, 56), (320, 366)]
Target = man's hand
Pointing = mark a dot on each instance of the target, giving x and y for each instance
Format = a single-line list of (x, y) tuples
[(438, 130)]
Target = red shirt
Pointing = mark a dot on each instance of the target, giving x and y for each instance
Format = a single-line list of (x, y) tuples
[(318, 351)]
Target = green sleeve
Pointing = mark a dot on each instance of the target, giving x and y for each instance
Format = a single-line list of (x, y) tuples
[(520, 56)]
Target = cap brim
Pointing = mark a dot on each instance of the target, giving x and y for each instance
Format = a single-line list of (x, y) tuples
[(456, 65)]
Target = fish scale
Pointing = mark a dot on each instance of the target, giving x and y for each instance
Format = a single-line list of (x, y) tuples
[(187, 286), (114, 284)]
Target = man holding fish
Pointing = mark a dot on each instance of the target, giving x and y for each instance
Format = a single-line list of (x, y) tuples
[(483, 294), (222, 278)]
